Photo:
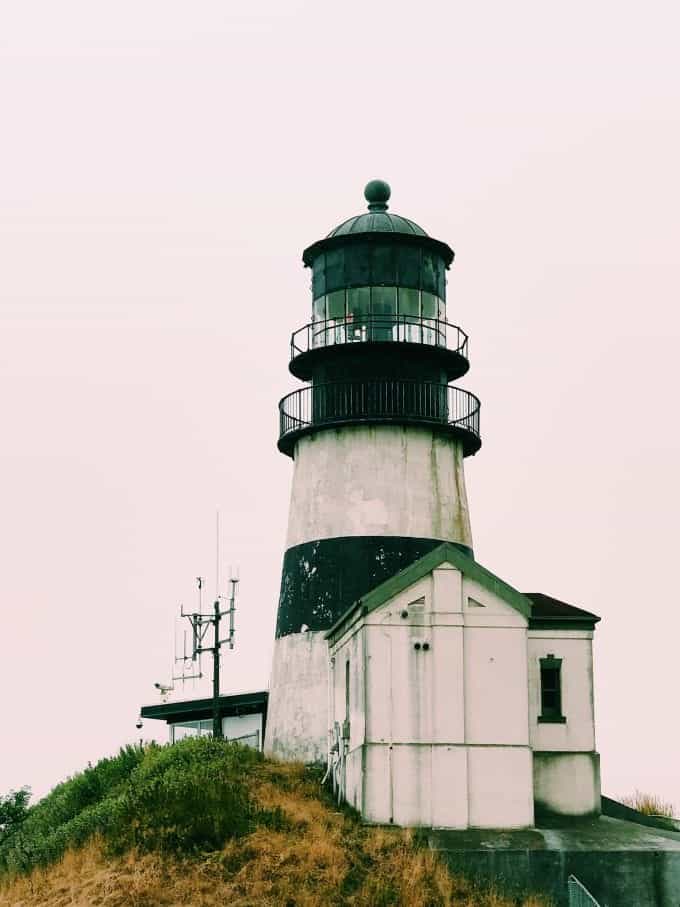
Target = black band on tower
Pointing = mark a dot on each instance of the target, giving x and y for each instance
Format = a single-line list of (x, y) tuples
[(321, 579)]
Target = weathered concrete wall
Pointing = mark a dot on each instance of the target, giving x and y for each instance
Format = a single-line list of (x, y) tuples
[(297, 714), (378, 480), (619, 863), (566, 784)]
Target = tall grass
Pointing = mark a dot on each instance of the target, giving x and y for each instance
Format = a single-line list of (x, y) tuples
[(649, 804), (208, 823)]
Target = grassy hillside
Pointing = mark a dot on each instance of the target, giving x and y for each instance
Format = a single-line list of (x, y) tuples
[(204, 823)]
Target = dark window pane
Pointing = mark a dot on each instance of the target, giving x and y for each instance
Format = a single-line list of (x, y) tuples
[(335, 269), (383, 313), (359, 301), (384, 301), (441, 279), (358, 308), (319, 276), (319, 309), (408, 267), (383, 269), (358, 265), (429, 305), (409, 302), (336, 304), (428, 273), (551, 696)]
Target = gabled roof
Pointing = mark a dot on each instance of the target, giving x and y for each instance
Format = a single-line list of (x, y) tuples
[(548, 612), (420, 568), (542, 611)]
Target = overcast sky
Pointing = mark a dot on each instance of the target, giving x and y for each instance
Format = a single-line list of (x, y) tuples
[(162, 166)]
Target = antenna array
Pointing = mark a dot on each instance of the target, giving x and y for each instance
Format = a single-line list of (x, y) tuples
[(200, 624)]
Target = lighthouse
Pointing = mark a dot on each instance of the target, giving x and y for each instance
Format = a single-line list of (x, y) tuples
[(378, 434)]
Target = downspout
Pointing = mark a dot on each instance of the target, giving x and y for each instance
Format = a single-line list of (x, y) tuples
[(330, 714), (390, 764)]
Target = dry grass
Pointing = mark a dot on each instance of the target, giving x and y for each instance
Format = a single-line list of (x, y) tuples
[(316, 856), (649, 804)]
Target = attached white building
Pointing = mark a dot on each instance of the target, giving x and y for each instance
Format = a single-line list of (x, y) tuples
[(456, 701)]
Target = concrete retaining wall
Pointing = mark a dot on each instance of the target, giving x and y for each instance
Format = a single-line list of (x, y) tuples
[(620, 863), (616, 879)]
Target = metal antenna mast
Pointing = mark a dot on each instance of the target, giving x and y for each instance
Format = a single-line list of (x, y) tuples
[(200, 624)]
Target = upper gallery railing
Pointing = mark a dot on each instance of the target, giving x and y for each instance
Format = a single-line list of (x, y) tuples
[(380, 329)]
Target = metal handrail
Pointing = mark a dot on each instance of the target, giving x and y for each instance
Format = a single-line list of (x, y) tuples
[(379, 328), (381, 399), (579, 896)]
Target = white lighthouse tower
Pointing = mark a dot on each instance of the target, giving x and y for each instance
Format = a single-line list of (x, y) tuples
[(378, 436)]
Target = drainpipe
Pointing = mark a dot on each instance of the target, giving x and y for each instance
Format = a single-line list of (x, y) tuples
[(390, 765), (329, 723)]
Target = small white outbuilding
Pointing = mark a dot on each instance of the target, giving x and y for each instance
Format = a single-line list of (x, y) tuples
[(456, 701)]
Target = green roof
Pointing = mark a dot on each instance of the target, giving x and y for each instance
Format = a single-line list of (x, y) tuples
[(377, 220)]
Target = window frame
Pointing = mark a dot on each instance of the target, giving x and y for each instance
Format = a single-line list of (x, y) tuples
[(550, 714)]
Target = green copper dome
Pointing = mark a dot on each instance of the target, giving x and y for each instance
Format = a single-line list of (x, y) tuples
[(377, 219)]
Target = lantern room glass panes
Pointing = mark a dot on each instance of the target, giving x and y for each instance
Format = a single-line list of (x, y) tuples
[(358, 312), (382, 313), (336, 305), (319, 309)]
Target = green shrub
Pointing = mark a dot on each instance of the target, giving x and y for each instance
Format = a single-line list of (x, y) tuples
[(186, 797), (13, 810), (69, 814)]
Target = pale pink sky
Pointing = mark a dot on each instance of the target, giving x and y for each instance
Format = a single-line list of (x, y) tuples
[(162, 166)]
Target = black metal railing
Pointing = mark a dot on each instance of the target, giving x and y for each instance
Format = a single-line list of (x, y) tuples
[(380, 329), (381, 400)]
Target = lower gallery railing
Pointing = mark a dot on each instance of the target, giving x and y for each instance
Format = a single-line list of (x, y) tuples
[(380, 400)]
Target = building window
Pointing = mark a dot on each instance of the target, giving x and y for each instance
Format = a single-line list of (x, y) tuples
[(551, 690)]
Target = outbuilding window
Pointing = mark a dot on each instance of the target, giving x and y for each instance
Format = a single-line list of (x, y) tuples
[(551, 690)]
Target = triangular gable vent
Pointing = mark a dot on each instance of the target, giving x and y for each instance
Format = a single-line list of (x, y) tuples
[(417, 605), (475, 604)]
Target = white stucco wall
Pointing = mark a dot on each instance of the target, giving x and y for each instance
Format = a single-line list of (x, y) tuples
[(575, 648), (500, 784), (378, 480), (566, 766), (297, 713)]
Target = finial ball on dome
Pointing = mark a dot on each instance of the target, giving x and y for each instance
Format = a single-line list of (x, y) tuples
[(377, 194)]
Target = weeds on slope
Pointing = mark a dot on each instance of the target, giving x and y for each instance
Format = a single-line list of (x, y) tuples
[(206, 822)]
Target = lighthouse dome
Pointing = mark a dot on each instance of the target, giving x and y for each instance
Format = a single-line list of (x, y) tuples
[(377, 219)]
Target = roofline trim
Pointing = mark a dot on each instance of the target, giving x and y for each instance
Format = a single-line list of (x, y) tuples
[(448, 552)]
